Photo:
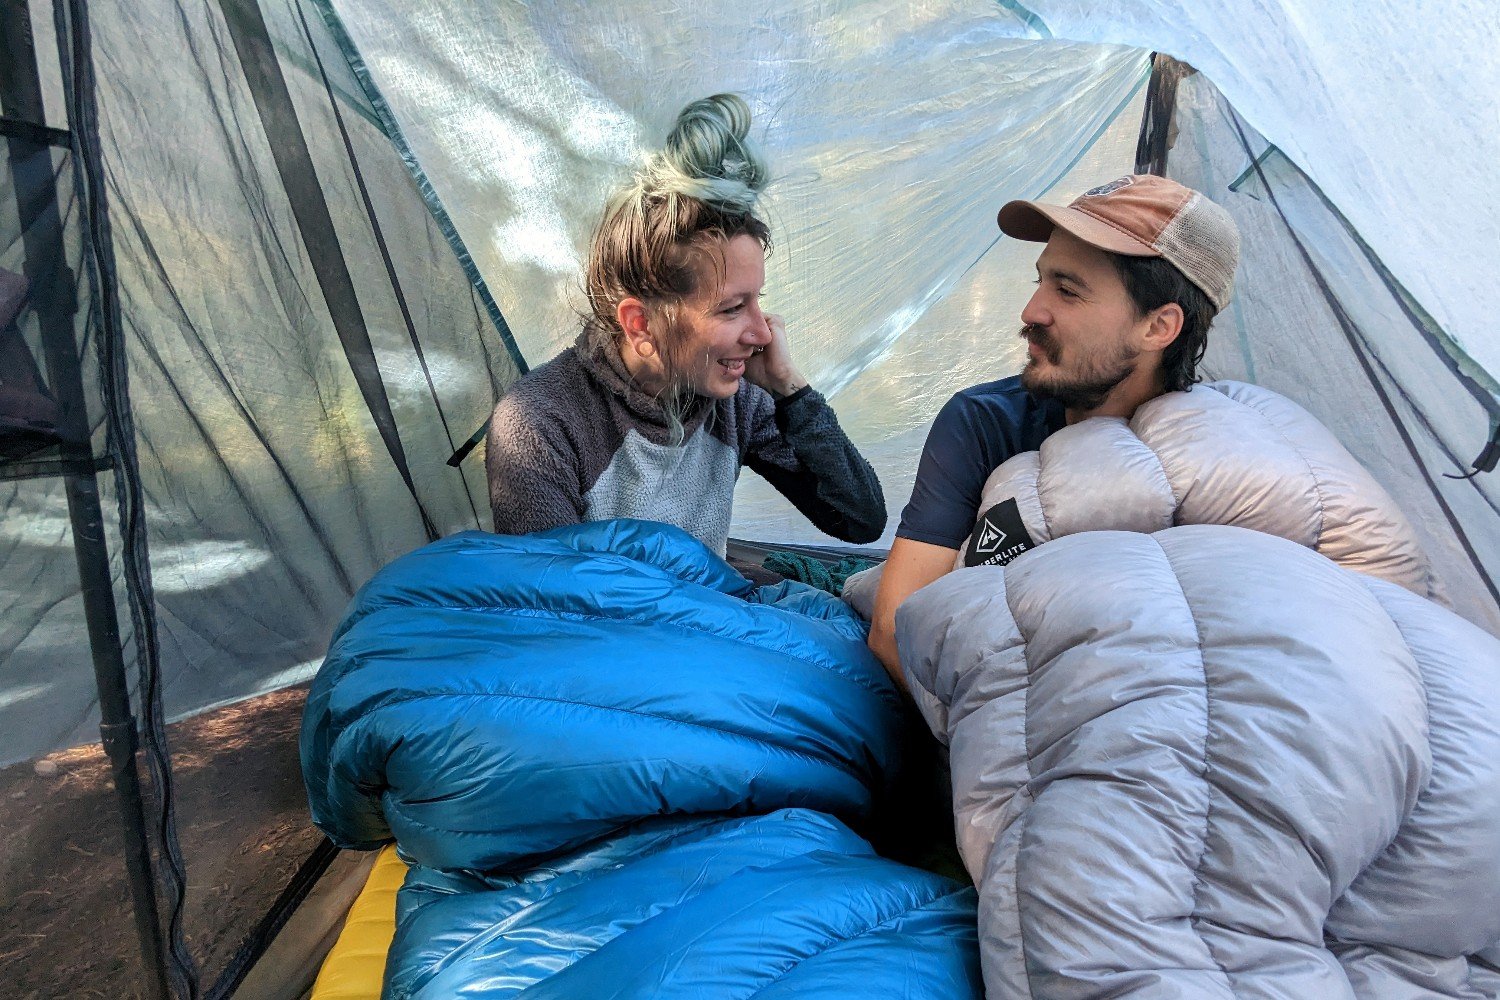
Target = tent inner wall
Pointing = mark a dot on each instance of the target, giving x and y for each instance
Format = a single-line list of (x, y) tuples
[(270, 492), (65, 477), (1316, 317), (307, 351)]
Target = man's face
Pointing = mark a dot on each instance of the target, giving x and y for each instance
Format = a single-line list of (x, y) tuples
[(1081, 324)]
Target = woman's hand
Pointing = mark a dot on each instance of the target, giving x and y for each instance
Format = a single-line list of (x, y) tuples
[(771, 366)]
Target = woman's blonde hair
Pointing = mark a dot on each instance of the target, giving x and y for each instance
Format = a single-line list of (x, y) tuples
[(699, 191)]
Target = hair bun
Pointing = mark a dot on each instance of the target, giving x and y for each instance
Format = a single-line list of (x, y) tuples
[(709, 156)]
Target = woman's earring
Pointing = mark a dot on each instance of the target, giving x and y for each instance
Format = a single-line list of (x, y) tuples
[(645, 349)]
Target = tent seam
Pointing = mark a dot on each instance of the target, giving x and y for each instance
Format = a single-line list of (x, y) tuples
[(419, 177)]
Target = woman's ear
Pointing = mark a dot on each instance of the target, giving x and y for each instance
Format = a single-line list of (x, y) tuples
[(635, 323)]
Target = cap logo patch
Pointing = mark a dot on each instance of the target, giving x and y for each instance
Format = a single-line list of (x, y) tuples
[(1110, 188)]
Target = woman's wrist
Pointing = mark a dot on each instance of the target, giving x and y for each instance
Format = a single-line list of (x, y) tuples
[(783, 385)]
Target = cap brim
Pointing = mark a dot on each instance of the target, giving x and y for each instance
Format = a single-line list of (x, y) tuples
[(1030, 221)]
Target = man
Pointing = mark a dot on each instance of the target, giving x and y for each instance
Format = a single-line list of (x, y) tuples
[(1133, 273)]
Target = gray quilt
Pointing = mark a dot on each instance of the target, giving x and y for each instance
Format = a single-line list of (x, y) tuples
[(1199, 759)]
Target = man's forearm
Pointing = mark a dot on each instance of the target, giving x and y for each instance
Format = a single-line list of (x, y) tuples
[(883, 645), (911, 566)]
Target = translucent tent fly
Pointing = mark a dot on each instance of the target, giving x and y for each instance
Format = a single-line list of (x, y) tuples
[(265, 265)]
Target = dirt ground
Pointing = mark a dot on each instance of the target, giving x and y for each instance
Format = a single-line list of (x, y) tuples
[(66, 928)]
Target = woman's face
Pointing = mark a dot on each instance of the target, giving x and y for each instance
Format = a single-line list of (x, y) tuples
[(720, 324)]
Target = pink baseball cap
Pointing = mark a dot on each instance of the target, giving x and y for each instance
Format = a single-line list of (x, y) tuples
[(1142, 215)]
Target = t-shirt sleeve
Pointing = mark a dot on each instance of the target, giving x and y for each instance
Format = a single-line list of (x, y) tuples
[(950, 479), (534, 484)]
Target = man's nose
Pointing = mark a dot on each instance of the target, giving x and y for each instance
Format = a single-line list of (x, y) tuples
[(1035, 313)]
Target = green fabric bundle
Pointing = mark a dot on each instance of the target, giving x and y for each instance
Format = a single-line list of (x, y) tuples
[(815, 572)]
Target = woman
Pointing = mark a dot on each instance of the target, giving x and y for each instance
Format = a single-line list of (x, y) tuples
[(678, 379)]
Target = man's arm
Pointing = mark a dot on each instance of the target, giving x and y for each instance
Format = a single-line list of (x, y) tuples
[(911, 566), (975, 431)]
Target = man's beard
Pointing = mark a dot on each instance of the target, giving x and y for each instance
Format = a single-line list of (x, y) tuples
[(1085, 389)]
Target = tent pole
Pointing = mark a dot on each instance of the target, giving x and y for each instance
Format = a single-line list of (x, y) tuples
[(1158, 129), (55, 302)]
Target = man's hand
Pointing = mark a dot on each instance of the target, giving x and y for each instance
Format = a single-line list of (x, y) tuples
[(910, 567)]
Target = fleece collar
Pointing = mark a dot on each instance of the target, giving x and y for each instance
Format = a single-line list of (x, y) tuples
[(605, 366)]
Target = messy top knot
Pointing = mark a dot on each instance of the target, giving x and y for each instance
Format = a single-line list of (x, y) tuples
[(697, 192), (709, 156)]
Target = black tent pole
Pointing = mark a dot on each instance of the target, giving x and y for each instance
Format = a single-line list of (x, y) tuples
[(1156, 137), (55, 302)]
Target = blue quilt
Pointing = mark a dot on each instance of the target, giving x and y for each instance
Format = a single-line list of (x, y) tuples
[(621, 770)]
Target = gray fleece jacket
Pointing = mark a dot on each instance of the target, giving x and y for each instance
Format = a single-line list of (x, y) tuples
[(575, 440)]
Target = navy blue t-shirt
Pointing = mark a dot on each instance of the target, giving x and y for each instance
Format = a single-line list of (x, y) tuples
[(974, 432)]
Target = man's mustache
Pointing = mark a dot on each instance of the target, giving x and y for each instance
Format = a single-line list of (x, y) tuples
[(1041, 338)]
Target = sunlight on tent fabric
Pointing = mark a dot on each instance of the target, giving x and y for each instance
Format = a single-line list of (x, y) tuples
[(47, 686), (33, 519), (25, 692), (850, 194), (291, 675), (407, 385), (297, 674), (541, 241), (189, 566)]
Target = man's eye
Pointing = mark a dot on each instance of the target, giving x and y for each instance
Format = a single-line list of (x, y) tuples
[(1066, 292), (732, 310)]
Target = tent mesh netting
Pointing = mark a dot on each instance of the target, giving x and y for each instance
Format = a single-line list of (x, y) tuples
[(305, 348)]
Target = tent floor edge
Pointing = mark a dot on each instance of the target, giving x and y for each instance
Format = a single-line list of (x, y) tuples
[(254, 946)]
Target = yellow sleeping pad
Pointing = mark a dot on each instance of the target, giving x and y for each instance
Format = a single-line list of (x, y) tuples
[(355, 968)]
